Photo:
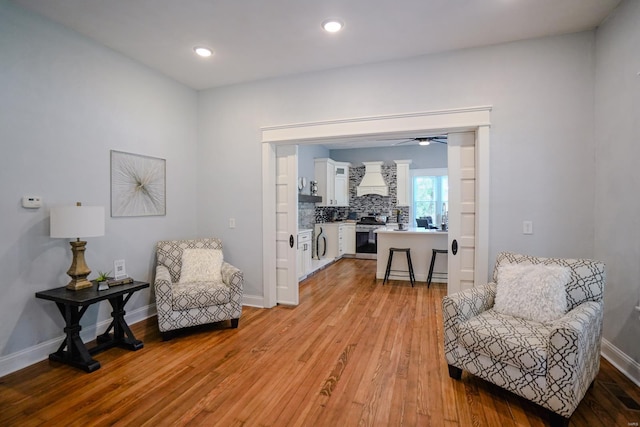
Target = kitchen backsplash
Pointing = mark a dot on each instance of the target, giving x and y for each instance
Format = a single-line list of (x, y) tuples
[(368, 204), (306, 215)]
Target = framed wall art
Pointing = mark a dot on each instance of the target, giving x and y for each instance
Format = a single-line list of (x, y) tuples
[(138, 185)]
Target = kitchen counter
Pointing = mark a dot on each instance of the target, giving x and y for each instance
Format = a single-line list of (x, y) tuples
[(411, 230), (420, 240)]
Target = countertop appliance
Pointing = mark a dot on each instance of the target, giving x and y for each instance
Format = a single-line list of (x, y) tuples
[(366, 238)]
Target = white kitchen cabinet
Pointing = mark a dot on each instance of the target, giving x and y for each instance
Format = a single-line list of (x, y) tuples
[(341, 191), (304, 253), (349, 238), (333, 182), (404, 183), (333, 232)]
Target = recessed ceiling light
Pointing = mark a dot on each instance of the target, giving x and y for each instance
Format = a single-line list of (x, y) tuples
[(205, 52), (332, 25)]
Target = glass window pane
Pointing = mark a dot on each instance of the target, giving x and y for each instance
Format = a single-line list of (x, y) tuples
[(429, 195)]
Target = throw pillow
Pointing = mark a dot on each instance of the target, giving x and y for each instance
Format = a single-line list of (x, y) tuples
[(201, 265), (532, 292)]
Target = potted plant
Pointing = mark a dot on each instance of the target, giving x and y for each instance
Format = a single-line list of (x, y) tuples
[(102, 276)]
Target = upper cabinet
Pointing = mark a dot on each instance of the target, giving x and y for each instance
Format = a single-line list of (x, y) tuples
[(333, 182), (342, 184), (404, 184)]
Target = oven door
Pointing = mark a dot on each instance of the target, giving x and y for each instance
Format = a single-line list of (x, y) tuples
[(366, 241)]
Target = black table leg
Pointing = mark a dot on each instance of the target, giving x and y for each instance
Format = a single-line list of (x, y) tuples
[(122, 335), (76, 353)]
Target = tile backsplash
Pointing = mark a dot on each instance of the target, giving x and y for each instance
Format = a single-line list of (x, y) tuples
[(306, 215), (366, 205)]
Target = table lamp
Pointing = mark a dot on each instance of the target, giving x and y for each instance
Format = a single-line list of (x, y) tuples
[(76, 222)]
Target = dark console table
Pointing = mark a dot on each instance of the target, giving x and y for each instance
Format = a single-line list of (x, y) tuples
[(73, 305)]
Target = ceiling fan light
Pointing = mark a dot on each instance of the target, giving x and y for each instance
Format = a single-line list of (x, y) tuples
[(332, 25), (424, 142)]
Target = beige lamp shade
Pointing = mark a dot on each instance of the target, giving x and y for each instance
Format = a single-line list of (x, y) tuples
[(77, 221)]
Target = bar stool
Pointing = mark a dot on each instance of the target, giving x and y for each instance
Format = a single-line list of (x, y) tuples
[(441, 274), (410, 273)]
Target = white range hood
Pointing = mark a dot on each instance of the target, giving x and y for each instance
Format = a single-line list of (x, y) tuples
[(372, 182)]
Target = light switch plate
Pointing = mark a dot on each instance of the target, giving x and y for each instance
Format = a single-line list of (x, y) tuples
[(527, 227)]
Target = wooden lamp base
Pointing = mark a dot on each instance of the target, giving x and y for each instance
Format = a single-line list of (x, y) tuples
[(79, 269)]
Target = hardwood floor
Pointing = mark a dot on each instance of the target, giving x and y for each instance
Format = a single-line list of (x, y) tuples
[(354, 352)]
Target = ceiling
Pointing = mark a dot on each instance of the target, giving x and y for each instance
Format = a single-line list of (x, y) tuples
[(258, 39)]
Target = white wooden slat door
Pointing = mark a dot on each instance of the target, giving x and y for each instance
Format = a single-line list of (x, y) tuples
[(462, 211), (286, 224)]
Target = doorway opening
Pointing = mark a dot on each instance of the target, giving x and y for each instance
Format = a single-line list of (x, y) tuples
[(474, 119)]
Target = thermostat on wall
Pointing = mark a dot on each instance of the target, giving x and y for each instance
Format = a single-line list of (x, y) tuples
[(31, 202)]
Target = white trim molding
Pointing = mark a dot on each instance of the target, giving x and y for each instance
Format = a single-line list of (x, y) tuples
[(253, 301), (37, 353), (446, 120), (622, 362), (476, 119)]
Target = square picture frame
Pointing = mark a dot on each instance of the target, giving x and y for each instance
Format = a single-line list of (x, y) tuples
[(138, 185)]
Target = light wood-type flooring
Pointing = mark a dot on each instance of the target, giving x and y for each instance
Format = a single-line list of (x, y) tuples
[(354, 352)]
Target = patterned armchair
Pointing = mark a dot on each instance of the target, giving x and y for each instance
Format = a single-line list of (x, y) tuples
[(180, 305), (552, 364)]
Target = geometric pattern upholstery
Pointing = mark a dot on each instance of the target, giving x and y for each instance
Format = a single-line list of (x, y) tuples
[(198, 303), (199, 294), (551, 364), (513, 340), (586, 281)]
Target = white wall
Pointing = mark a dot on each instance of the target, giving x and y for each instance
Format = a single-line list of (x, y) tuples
[(430, 156), (617, 204), (542, 152), (306, 163), (65, 103)]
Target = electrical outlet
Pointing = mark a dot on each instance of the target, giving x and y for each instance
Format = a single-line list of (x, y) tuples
[(527, 227), (232, 223)]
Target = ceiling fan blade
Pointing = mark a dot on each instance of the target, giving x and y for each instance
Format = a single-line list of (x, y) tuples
[(403, 142)]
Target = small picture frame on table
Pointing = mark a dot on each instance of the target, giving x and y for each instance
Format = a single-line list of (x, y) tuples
[(119, 269)]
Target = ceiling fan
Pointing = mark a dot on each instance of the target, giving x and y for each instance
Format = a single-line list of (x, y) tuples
[(423, 140)]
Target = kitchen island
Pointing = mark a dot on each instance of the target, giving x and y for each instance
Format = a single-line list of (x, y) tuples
[(421, 241)]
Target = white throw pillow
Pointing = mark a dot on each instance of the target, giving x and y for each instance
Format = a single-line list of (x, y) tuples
[(532, 292), (201, 265)]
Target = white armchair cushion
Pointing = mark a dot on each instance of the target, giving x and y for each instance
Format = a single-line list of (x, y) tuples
[(201, 265), (532, 292)]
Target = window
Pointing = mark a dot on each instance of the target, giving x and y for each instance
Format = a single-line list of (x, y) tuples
[(430, 194)]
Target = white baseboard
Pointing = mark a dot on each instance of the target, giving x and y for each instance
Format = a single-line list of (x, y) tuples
[(253, 301), (16, 361), (625, 364)]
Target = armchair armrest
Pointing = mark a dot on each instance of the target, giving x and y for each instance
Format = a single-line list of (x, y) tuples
[(464, 305), (573, 357), (234, 278), (460, 307), (162, 288)]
